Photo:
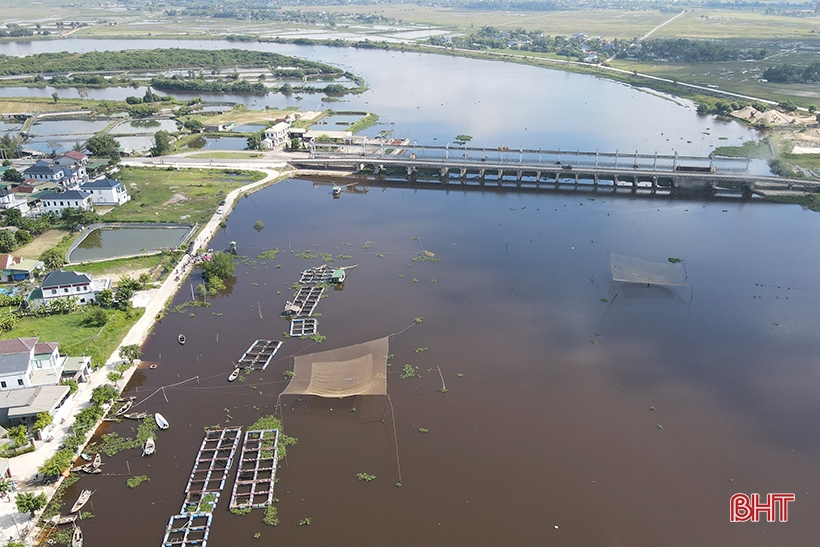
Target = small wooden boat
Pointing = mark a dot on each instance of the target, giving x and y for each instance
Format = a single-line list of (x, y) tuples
[(90, 469), (86, 457), (58, 520), (181, 339), (150, 447), (161, 421), (124, 408), (77, 538), (135, 415), (235, 374), (126, 399), (336, 191), (97, 461), (82, 500)]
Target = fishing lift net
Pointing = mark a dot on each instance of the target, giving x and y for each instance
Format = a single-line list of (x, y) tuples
[(628, 269), (342, 372)]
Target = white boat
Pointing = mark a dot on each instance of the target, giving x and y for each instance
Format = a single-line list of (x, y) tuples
[(234, 375), (97, 461), (150, 447), (82, 500), (57, 520), (77, 538), (161, 421)]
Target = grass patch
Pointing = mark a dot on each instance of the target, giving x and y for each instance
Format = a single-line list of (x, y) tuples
[(749, 149), (177, 195), (133, 482), (120, 266), (74, 337), (46, 240), (368, 121), (228, 155)]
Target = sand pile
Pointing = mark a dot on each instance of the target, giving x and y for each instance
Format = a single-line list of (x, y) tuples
[(771, 117)]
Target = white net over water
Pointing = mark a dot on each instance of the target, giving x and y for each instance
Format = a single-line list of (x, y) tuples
[(342, 372), (629, 269)]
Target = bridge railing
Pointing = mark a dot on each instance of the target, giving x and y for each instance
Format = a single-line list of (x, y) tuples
[(455, 155)]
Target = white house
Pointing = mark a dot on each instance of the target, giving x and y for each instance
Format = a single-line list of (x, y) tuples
[(68, 176), (9, 200), (61, 284), (106, 191), (25, 362), (276, 135), (55, 203), (72, 158)]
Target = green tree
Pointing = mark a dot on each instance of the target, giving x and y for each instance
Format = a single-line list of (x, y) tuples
[(7, 241), (103, 394), (162, 144), (812, 109), (42, 421), (13, 175), (194, 126), (57, 463), (73, 386), (18, 434), (105, 298), (52, 259), (463, 139), (74, 217), (254, 142), (29, 502), (130, 353), (104, 146), (143, 280), (95, 317), (221, 266), (55, 96)]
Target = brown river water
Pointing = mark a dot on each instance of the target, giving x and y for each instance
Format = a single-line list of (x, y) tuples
[(545, 435)]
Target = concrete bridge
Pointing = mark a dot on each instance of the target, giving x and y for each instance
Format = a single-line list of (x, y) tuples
[(527, 167)]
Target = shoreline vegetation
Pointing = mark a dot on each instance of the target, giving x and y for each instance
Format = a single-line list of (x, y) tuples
[(217, 71)]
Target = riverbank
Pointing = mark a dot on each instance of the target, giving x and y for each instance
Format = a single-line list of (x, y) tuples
[(25, 468)]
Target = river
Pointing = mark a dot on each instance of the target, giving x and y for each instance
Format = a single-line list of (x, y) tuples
[(578, 411)]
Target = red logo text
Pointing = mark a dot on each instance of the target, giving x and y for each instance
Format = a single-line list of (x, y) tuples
[(745, 508)]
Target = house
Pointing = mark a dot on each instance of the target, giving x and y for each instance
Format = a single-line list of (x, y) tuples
[(67, 176), (277, 135), (17, 268), (77, 368), (62, 283), (21, 406), (56, 203), (25, 362), (8, 200), (71, 159), (106, 191)]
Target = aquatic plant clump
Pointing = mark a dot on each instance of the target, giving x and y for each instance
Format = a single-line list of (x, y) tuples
[(133, 482)]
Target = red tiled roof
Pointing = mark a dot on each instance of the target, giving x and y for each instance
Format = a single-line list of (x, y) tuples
[(74, 155), (17, 345), (45, 347)]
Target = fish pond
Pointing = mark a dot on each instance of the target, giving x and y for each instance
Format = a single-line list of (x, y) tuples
[(118, 241)]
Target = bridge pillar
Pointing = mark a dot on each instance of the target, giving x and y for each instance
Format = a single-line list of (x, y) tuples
[(410, 170), (595, 179), (361, 167), (518, 175), (376, 168), (500, 175), (576, 179), (615, 182), (537, 177), (444, 171), (462, 173), (557, 174), (481, 174), (654, 184)]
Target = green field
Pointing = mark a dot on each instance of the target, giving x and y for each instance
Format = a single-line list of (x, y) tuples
[(176, 195), (122, 266), (74, 338)]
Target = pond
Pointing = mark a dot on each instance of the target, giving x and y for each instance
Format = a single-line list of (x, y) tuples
[(103, 243), (144, 126), (337, 122), (248, 128), (137, 144), (218, 143)]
